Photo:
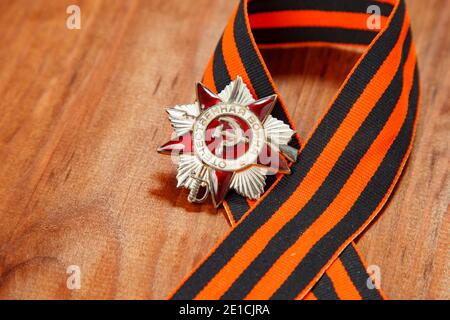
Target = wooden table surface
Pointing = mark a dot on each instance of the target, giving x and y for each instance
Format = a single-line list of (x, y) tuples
[(82, 112)]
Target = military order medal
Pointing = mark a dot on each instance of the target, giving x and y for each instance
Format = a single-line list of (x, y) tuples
[(228, 141)]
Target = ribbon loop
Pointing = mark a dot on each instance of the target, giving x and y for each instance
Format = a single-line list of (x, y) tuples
[(296, 241)]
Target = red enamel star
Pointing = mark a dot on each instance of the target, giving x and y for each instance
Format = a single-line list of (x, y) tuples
[(235, 144)]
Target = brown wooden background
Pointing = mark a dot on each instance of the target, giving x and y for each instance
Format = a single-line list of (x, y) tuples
[(82, 112)]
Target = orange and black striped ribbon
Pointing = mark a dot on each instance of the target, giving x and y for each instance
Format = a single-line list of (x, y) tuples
[(296, 242)]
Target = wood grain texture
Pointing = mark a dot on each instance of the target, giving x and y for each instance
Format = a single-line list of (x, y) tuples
[(82, 112)]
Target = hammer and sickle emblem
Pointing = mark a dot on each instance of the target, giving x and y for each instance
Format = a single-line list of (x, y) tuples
[(230, 138)]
